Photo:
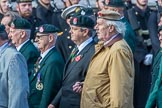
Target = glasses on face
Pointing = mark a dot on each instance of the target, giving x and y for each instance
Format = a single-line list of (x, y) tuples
[(39, 37)]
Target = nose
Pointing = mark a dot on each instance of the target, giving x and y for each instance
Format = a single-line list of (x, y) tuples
[(36, 39)]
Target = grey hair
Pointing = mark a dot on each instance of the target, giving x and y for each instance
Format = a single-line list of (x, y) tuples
[(119, 26), (28, 32)]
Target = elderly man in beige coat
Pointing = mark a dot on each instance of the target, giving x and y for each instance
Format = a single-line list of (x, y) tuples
[(109, 81)]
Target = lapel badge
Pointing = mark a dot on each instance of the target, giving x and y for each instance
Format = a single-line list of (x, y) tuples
[(77, 58)]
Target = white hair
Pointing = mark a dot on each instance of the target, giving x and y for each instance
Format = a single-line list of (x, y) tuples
[(119, 26), (28, 32)]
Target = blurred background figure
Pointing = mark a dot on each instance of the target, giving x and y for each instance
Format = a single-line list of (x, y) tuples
[(4, 7)]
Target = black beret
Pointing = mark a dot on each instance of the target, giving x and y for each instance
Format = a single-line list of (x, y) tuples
[(22, 1), (47, 28), (2, 28), (82, 21), (114, 3), (21, 23)]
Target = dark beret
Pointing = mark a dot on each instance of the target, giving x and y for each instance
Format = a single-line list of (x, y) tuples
[(21, 23), (22, 1), (82, 21), (114, 3), (47, 28), (84, 11)]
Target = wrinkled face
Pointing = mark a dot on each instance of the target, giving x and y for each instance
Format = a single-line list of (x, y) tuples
[(76, 34), (5, 21), (101, 29), (4, 5), (15, 36), (160, 38), (25, 9), (142, 2), (42, 41)]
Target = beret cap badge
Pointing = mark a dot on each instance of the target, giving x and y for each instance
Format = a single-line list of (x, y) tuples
[(41, 29), (75, 20)]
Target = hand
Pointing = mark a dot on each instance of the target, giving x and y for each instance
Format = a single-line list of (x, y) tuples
[(148, 59), (51, 106), (77, 87)]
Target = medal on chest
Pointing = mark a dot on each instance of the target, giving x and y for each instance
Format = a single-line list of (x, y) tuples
[(39, 84)]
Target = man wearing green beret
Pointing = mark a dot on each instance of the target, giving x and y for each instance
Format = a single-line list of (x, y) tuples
[(25, 10), (46, 79), (14, 82), (77, 64), (20, 30)]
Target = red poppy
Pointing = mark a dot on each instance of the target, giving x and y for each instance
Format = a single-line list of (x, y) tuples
[(77, 58)]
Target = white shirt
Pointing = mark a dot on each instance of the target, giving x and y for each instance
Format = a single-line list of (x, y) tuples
[(84, 44), (20, 46), (45, 53)]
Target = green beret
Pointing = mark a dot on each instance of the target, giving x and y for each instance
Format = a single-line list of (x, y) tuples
[(2, 28), (82, 21), (109, 15), (159, 28), (69, 11), (21, 23), (22, 1), (47, 28), (114, 3)]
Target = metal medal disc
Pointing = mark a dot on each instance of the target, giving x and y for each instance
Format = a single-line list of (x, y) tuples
[(39, 86)]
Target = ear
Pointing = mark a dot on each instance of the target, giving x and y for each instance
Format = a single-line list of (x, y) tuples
[(85, 32), (17, 7), (51, 38), (111, 28), (23, 33)]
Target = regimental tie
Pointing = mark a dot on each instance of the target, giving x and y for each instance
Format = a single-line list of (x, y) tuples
[(74, 53)]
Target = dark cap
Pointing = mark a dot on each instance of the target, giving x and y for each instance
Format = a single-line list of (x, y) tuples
[(2, 28), (21, 23), (82, 21), (114, 3), (22, 1), (109, 15), (47, 28), (69, 11), (84, 11)]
